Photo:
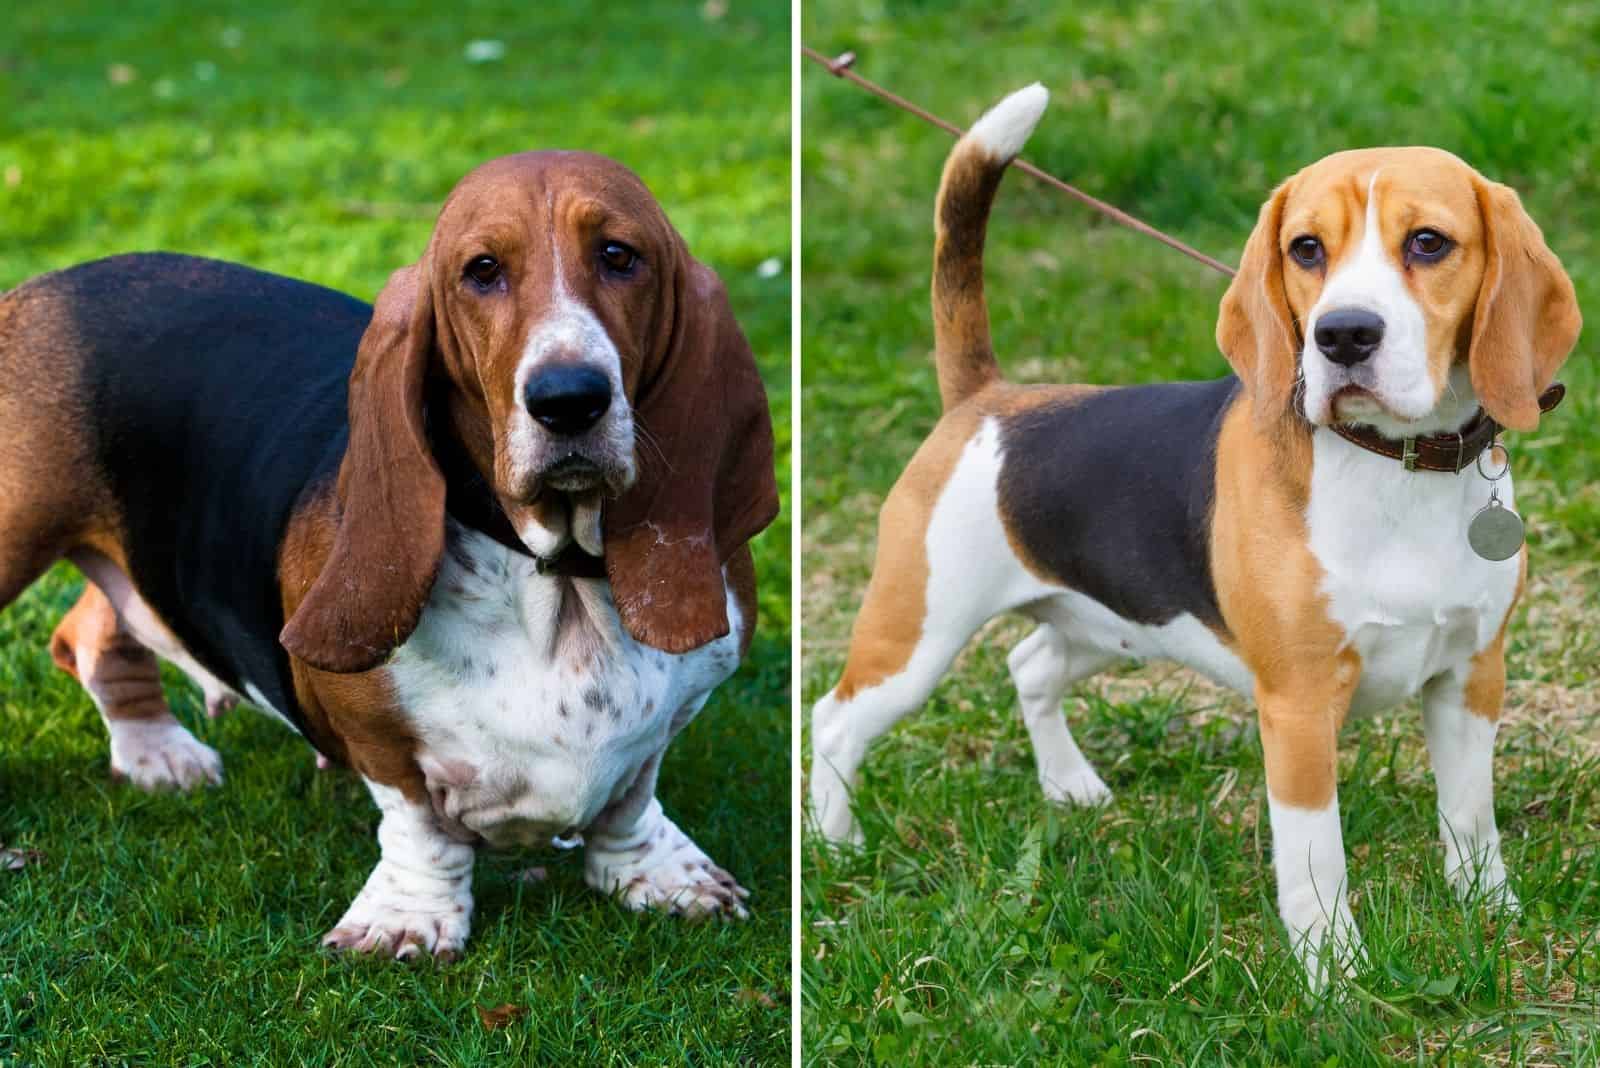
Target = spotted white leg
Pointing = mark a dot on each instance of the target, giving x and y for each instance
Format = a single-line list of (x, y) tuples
[(1042, 666), (1461, 749), (419, 897), (636, 854)]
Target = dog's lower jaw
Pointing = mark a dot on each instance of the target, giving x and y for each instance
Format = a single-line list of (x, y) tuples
[(419, 898)]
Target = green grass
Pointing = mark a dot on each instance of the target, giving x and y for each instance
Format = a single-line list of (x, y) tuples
[(318, 142), (982, 926)]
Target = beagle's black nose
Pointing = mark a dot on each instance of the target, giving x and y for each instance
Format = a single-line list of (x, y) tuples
[(568, 399), (1349, 335)]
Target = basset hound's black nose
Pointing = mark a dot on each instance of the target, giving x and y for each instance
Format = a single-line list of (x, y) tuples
[(568, 399), (1348, 336)]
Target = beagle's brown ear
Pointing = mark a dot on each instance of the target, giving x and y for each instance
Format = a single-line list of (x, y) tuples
[(1527, 317), (1255, 328), (706, 484), (371, 590)]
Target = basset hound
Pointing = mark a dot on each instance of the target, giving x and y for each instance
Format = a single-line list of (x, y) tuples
[(485, 542), (1297, 531)]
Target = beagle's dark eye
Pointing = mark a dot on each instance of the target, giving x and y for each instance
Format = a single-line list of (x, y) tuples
[(1427, 245), (1307, 251), (483, 271), (618, 258)]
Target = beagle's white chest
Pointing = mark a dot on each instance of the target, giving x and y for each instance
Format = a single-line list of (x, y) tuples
[(532, 706), (1413, 598)]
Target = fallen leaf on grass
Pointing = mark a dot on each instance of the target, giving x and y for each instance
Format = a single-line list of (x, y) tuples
[(504, 1016), (17, 859), (760, 997)]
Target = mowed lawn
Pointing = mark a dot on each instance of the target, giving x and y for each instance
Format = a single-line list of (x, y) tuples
[(318, 141), (982, 926)]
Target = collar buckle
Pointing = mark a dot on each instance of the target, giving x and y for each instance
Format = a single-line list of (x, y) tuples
[(1408, 453)]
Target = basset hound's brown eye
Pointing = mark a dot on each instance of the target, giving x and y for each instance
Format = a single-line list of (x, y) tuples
[(1429, 246), (618, 258), (483, 271), (1307, 251)]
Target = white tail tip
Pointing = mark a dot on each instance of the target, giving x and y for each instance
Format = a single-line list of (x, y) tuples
[(1004, 128)]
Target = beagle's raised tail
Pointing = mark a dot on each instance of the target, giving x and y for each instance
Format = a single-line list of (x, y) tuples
[(972, 173)]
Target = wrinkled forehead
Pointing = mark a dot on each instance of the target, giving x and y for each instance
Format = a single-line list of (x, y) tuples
[(1412, 188), (552, 191)]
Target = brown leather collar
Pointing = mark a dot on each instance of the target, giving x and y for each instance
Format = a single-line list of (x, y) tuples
[(1440, 452)]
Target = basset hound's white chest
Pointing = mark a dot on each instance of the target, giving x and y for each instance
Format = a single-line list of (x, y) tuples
[(1413, 598), (532, 707)]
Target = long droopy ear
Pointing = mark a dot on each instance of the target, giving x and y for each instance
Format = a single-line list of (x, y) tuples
[(1255, 328), (1527, 317), (706, 484), (371, 590)]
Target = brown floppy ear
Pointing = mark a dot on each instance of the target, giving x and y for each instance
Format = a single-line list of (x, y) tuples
[(1255, 328), (1527, 318), (370, 592), (706, 484)]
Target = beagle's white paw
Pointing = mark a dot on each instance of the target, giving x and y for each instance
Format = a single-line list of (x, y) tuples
[(404, 914), (1328, 947), (1081, 787), (662, 869), (161, 755), (1481, 879)]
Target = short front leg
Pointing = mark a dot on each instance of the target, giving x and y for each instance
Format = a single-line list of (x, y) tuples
[(1299, 736), (419, 897), (1461, 713), (632, 851)]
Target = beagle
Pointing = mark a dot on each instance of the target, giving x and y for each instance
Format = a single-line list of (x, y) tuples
[(1262, 529), (485, 543)]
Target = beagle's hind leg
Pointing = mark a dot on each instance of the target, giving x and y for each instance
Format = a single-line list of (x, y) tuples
[(149, 747), (1043, 665), (943, 569)]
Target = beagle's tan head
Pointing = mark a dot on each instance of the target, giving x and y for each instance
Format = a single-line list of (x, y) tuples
[(559, 332), (1397, 287)]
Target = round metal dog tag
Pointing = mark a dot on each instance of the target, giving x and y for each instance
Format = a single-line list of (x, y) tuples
[(1495, 533)]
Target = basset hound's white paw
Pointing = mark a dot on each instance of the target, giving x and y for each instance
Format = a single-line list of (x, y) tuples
[(161, 755), (660, 868), (419, 898), (399, 915)]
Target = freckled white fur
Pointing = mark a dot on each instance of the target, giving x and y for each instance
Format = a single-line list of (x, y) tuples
[(160, 753), (527, 732), (1397, 372), (651, 864), (1004, 128), (419, 897), (554, 734), (1415, 601)]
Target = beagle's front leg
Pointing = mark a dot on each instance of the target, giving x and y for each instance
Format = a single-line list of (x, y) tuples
[(634, 852), (1299, 737), (419, 897), (1461, 713)]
